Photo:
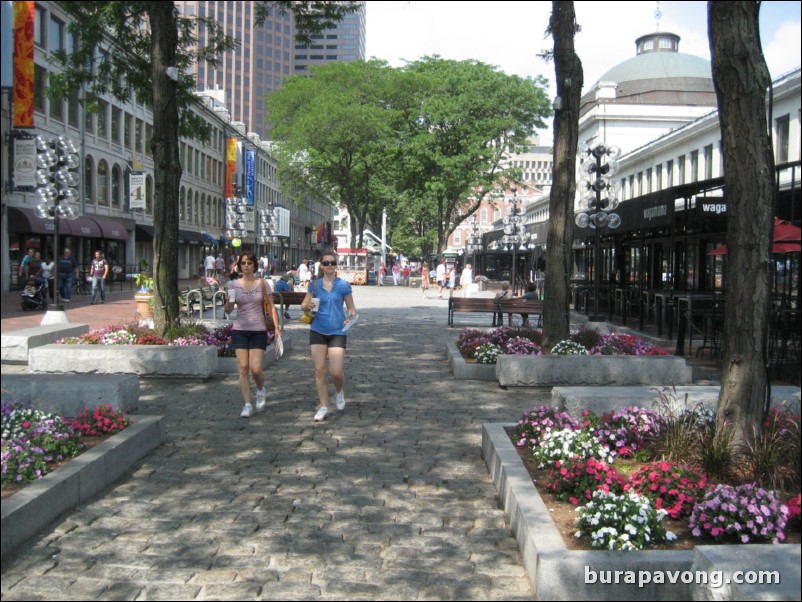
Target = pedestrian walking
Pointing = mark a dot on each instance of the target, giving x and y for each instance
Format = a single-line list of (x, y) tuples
[(396, 273), (67, 273), (249, 333), (441, 277), (48, 265), (381, 274), (327, 334), (99, 272), (209, 265), (451, 280), (465, 280), (424, 280)]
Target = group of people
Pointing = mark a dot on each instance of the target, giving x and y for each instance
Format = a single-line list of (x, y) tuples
[(34, 271), (326, 294)]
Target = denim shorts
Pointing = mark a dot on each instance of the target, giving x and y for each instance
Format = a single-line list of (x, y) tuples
[(249, 339), (329, 340)]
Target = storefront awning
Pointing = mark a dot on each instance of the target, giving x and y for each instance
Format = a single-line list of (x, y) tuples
[(25, 220), (144, 233), (110, 228), (190, 237)]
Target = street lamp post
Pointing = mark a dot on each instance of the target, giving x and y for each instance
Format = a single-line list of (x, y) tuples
[(57, 180), (601, 165), (514, 232), (474, 240)]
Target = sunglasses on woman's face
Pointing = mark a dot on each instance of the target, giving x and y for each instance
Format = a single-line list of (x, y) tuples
[(328, 263), (246, 262)]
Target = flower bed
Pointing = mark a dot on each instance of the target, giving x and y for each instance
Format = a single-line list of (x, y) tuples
[(681, 448), (33, 441)]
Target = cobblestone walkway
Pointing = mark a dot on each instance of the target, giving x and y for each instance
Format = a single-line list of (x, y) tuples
[(389, 500)]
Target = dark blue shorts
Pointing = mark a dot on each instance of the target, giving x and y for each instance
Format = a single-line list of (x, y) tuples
[(249, 339), (329, 340)]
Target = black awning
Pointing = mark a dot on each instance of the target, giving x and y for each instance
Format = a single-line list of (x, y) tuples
[(190, 237), (110, 228), (144, 233)]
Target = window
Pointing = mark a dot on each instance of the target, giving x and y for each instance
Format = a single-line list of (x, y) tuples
[(708, 150), (189, 207), (116, 186), (102, 119), (56, 35), (89, 122), (138, 135), (127, 130), (116, 118), (669, 174), (148, 138), (182, 205), (649, 180), (39, 85), (73, 109), (89, 178), (457, 237), (782, 135), (102, 184), (149, 195), (39, 25), (694, 166), (681, 169)]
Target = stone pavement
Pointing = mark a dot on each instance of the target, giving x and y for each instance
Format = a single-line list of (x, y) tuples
[(390, 499)]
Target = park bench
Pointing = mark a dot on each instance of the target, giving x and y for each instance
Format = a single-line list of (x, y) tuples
[(471, 305), (521, 312)]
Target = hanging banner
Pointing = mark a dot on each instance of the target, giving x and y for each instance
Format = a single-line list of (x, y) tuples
[(136, 190), (23, 64), (24, 162), (250, 175), (231, 166)]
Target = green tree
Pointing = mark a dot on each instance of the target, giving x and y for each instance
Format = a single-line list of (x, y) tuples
[(471, 116), (741, 78), (337, 133), (126, 48), (569, 76)]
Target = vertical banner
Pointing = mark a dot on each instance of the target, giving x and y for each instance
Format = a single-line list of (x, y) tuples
[(24, 163), (231, 165), (23, 64), (136, 190), (250, 175)]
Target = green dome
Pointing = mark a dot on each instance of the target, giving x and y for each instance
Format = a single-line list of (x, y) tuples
[(659, 65)]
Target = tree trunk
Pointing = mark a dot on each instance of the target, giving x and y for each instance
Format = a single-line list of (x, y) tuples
[(568, 73), (741, 78), (167, 167)]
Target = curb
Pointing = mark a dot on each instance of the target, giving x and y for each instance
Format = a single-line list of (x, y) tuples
[(29, 511)]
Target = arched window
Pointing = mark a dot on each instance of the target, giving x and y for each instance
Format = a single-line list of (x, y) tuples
[(189, 206), (197, 207), (102, 183), (182, 204), (89, 178), (203, 210), (208, 221), (116, 186)]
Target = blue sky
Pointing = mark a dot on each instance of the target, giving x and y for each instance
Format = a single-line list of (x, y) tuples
[(511, 34)]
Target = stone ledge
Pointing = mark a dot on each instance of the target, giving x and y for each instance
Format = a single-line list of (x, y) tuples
[(602, 370), (604, 399), (463, 370), (557, 573), (142, 360), (17, 344), (69, 394), (29, 511)]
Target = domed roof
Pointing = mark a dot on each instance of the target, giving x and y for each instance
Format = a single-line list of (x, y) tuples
[(658, 74), (659, 65)]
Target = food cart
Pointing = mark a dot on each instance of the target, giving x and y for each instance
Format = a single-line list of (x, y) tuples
[(353, 265)]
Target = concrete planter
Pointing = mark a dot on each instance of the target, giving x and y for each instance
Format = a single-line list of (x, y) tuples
[(463, 370), (603, 370), (142, 360), (29, 511), (558, 573)]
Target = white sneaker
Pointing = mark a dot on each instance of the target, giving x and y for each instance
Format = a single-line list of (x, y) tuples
[(322, 414), (261, 394), (339, 399), (247, 411)]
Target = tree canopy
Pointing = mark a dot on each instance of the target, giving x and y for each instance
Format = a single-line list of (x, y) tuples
[(425, 142)]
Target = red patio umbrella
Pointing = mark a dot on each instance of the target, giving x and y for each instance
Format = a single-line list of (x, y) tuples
[(786, 239)]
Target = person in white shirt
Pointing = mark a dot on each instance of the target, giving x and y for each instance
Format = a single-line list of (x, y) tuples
[(304, 274), (209, 265), (316, 270), (465, 280), (441, 277)]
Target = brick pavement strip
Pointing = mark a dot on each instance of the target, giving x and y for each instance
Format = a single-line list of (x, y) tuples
[(387, 500)]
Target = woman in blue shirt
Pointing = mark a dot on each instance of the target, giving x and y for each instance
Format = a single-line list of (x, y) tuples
[(326, 336)]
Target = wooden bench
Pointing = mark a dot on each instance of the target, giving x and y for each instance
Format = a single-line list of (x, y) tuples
[(523, 308), (471, 305)]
